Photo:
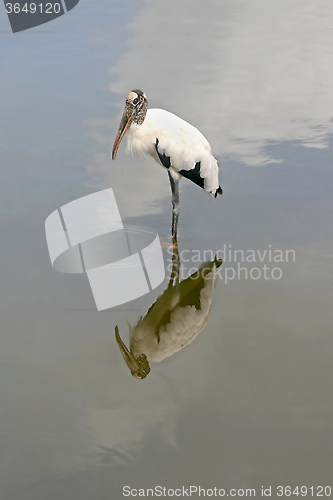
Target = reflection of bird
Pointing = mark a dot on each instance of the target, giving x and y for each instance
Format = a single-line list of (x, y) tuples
[(173, 143), (173, 321)]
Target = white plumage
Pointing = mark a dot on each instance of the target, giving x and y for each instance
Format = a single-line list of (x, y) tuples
[(177, 140), (173, 143)]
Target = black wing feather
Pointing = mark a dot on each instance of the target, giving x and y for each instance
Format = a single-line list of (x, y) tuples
[(165, 160), (194, 175)]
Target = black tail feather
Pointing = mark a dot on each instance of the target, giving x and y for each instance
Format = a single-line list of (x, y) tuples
[(218, 191)]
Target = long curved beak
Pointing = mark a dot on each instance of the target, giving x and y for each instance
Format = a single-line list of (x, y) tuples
[(139, 367), (125, 122)]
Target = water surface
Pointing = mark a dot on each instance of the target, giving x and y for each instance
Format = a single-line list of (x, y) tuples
[(249, 402)]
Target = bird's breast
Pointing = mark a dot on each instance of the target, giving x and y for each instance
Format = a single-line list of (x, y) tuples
[(142, 139)]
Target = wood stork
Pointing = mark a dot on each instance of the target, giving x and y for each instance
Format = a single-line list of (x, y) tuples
[(174, 320), (173, 143)]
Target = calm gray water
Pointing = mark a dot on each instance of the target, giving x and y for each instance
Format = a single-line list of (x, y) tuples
[(249, 402)]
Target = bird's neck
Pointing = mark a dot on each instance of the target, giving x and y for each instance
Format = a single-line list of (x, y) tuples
[(140, 116)]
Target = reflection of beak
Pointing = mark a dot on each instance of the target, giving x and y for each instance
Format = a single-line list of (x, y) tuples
[(139, 366), (125, 122)]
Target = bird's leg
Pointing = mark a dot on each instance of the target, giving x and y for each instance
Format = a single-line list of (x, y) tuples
[(175, 208), (174, 276)]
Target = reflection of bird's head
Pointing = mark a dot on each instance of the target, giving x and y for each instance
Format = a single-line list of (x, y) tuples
[(135, 112), (139, 365)]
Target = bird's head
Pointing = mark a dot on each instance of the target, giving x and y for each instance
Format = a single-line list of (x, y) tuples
[(139, 365), (135, 112)]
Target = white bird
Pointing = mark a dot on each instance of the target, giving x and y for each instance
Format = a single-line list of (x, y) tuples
[(173, 321), (173, 143)]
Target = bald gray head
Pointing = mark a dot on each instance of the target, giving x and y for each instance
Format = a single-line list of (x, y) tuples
[(138, 102)]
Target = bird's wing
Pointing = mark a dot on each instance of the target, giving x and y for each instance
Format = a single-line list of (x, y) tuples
[(185, 322), (181, 146), (177, 316)]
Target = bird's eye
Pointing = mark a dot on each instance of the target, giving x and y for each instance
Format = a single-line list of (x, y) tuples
[(136, 100)]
